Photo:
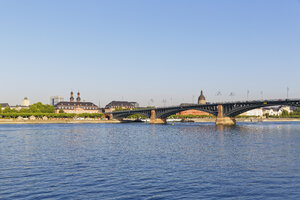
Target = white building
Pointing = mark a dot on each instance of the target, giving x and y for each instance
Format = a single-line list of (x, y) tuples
[(276, 110), (287, 108), (25, 102)]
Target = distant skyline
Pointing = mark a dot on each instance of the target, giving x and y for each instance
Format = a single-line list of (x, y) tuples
[(137, 50)]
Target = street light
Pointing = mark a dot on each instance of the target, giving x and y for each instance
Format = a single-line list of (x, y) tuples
[(248, 95), (262, 95), (287, 92), (219, 94), (231, 95)]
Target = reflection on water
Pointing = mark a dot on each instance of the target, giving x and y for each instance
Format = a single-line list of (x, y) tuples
[(142, 161)]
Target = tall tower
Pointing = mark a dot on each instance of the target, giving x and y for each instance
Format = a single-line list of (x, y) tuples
[(25, 102), (201, 99), (78, 97), (72, 98)]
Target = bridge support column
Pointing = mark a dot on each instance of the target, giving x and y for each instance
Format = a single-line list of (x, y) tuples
[(110, 116), (154, 120), (222, 120)]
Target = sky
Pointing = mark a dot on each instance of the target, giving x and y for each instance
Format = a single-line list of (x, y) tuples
[(138, 50)]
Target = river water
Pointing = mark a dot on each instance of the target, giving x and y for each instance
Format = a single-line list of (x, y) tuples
[(142, 161)]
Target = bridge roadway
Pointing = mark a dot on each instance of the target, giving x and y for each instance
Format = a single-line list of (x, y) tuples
[(225, 112)]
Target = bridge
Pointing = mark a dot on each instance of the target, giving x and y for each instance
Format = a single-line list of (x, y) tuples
[(225, 113)]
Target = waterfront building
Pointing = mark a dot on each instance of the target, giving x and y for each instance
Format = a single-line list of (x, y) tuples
[(4, 105), (276, 111), (287, 108), (201, 101), (25, 102), (76, 107), (121, 104), (55, 100)]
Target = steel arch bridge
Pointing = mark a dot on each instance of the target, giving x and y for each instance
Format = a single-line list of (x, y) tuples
[(229, 109)]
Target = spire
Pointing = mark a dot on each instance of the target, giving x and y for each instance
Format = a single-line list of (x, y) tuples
[(71, 97), (78, 99)]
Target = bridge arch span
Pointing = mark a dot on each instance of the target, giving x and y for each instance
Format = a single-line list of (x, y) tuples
[(166, 113), (237, 110), (127, 114)]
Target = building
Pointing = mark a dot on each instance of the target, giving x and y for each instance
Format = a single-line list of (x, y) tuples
[(55, 100), (276, 111), (4, 105), (25, 102), (201, 101), (121, 104), (76, 107)]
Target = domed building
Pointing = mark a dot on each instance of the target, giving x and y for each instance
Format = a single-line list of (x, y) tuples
[(201, 99)]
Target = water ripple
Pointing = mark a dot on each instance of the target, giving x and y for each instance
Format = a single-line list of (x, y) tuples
[(141, 161)]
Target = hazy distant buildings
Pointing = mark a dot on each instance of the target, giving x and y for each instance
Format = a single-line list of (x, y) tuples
[(76, 107), (25, 102), (55, 100), (121, 104)]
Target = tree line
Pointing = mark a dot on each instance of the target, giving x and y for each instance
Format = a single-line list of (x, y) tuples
[(40, 110)]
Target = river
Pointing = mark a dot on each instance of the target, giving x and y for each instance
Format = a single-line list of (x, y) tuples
[(143, 161)]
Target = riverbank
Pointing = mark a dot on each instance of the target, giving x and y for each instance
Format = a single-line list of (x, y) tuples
[(245, 120), (58, 121), (100, 121)]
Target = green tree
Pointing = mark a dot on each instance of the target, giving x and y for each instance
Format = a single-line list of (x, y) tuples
[(285, 113), (41, 108), (7, 110)]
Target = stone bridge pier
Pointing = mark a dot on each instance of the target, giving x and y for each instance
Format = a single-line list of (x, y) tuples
[(154, 120), (224, 120)]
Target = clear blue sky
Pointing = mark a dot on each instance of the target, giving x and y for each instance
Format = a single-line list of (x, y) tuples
[(137, 50)]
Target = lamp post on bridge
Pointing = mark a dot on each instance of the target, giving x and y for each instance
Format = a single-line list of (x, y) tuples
[(248, 95), (219, 94), (287, 92), (231, 95)]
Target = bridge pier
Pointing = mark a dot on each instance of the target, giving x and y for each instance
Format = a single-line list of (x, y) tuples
[(154, 120), (110, 116), (223, 120)]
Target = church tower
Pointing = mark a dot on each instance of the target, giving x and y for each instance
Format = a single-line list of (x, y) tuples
[(78, 99), (72, 98), (201, 99)]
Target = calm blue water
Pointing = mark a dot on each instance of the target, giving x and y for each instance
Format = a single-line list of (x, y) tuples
[(142, 161)]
